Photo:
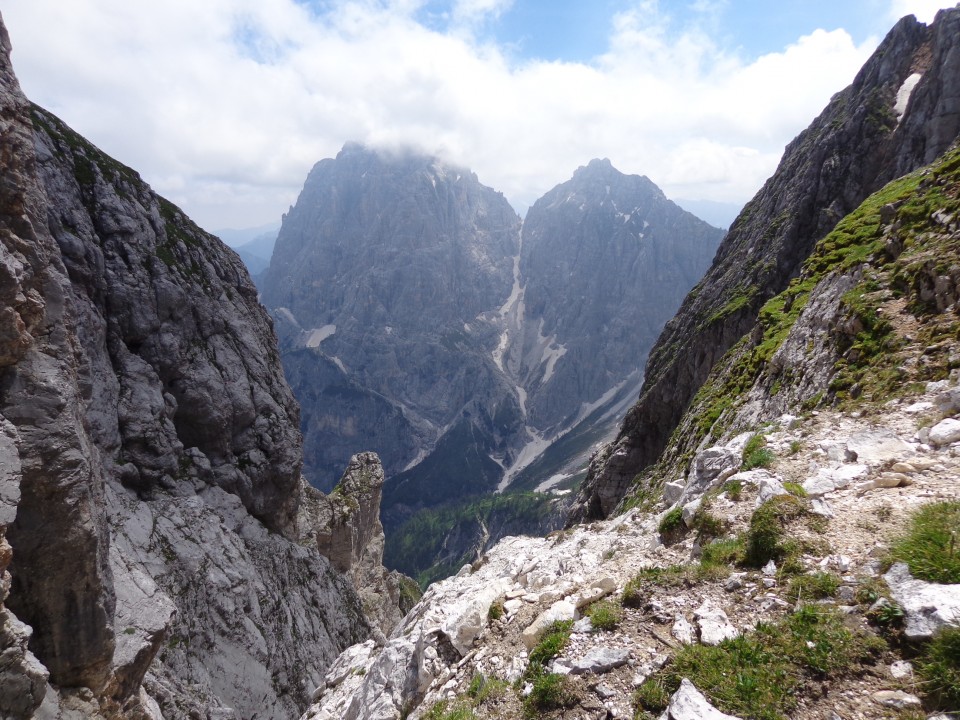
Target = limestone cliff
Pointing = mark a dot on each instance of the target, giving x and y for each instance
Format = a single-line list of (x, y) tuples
[(899, 114), (149, 456)]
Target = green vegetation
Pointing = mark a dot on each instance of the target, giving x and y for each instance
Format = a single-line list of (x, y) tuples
[(483, 688), (550, 692), (720, 554), (939, 669), (495, 611), (444, 710), (733, 489), (765, 539), (552, 643), (605, 615), (870, 368), (672, 527), (758, 674), (931, 547), (815, 586), (417, 548), (756, 454), (795, 489)]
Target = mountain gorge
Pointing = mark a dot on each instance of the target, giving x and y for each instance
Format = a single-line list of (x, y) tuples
[(418, 315)]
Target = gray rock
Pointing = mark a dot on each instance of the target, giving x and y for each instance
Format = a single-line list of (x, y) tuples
[(600, 660), (945, 432), (896, 699), (688, 703), (683, 631), (928, 606)]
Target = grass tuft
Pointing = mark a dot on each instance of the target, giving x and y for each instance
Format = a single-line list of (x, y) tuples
[(939, 668), (756, 454), (605, 615), (931, 547)]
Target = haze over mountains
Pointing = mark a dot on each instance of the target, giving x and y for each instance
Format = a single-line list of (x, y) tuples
[(420, 318)]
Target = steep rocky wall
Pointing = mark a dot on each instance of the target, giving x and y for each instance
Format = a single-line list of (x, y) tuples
[(149, 456), (855, 146)]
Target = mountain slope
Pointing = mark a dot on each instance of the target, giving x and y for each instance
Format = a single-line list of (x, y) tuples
[(857, 144), (151, 561), (814, 579)]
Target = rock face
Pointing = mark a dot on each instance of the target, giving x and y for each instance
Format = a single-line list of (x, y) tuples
[(149, 455), (415, 316), (605, 261), (857, 144), (379, 281)]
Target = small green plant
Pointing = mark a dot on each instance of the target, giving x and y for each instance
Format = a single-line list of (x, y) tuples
[(605, 615), (733, 489), (552, 643), (721, 553), (652, 696), (482, 688), (795, 446), (815, 586), (939, 668), (764, 541), (795, 489), (495, 611), (756, 454), (443, 710), (550, 692), (930, 547), (672, 525)]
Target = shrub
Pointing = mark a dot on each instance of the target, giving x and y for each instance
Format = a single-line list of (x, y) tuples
[(672, 522), (550, 692), (652, 696), (756, 454), (757, 674), (495, 611), (552, 643), (930, 547), (733, 489), (763, 541), (814, 586), (605, 615), (939, 667)]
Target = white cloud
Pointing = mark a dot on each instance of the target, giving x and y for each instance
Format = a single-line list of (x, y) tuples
[(224, 105), (925, 10)]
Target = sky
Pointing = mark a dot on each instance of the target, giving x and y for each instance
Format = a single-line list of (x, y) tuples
[(223, 106)]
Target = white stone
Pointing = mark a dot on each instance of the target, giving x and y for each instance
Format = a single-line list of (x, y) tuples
[(928, 606), (688, 703), (672, 492), (945, 432), (714, 624), (901, 670), (683, 631), (600, 660), (896, 699), (690, 510), (560, 610)]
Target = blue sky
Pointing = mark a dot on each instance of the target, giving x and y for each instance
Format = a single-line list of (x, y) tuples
[(224, 105)]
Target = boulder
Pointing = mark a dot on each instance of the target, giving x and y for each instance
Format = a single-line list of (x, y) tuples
[(945, 432), (600, 660), (714, 624), (688, 703), (560, 610), (928, 606)]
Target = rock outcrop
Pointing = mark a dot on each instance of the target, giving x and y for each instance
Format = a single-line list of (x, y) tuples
[(869, 134), (149, 456), (346, 528)]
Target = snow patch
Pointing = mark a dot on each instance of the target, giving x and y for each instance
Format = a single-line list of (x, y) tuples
[(904, 93), (318, 335)]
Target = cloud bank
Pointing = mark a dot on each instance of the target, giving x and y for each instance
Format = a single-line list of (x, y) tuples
[(224, 105)]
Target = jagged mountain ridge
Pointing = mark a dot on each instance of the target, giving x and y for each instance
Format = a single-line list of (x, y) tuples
[(154, 559), (854, 147), (409, 314), (850, 378)]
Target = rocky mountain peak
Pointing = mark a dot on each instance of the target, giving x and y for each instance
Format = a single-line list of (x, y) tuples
[(857, 144)]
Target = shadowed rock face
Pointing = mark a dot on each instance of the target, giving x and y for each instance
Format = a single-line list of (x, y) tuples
[(606, 260), (854, 147), (149, 454), (413, 323)]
